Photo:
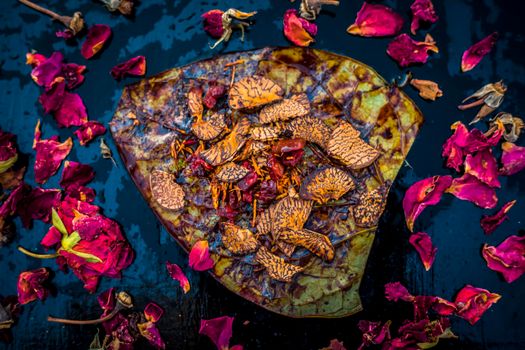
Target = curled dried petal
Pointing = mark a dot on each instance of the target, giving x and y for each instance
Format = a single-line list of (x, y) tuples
[(49, 155), (153, 312), (474, 54), (97, 36), (406, 51), (298, 30), (177, 274), (422, 194), (30, 285), (213, 23), (471, 189), (428, 89), (508, 258), (135, 66), (396, 291), (483, 166), (422, 242), (512, 158), (199, 258), (422, 12), (376, 20), (472, 302), (219, 330), (88, 131), (489, 223)]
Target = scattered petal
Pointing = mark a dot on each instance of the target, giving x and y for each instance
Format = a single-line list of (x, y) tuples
[(422, 194), (376, 20), (406, 51), (471, 189), (8, 151), (472, 302), (298, 30), (219, 330), (75, 173), (88, 131), (508, 258), (423, 244), (428, 89), (46, 71), (483, 166), (97, 36), (30, 285), (489, 223), (199, 258), (396, 291), (213, 23), (153, 312), (474, 54), (49, 155), (72, 73), (374, 333), (512, 158), (176, 273), (135, 66), (422, 12), (71, 112)]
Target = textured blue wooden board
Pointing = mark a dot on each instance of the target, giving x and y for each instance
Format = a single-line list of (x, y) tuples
[(169, 34)]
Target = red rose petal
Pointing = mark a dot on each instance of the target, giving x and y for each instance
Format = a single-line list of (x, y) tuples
[(30, 285), (88, 131), (298, 30), (219, 330), (406, 51), (71, 112), (49, 155), (376, 20), (153, 312), (373, 333), (176, 273), (483, 166), (199, 258), (75, 173), (97, 36), (214, 92), (512, 158), (396, 291), (472, 302), (135, 66), (489, 223), (471, 189), (422, 12), (72, 73), (46, 71), (213, 23), (508, 258), (474, 54), (35, 59), (422, 194), (422, 242)]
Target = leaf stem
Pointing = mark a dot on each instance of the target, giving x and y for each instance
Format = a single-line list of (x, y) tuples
[(41, 9), (36, 255)]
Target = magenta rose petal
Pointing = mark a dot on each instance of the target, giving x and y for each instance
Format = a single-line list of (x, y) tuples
[(422, 12), (177, 274), (406, 51), (483, 166), (472, 302), (71, 112), (512, 159), (213, 23), (375, 20), (97, 36), (49, 155), (199, 258), (424, 193), (422, 242), (298, 30), (474, 54), (135, 66), (489, 223), (46, 72), (219, 330), (508, 258), (88, 131), (471, 189), (75, 173), (30, 285), (396, 291)]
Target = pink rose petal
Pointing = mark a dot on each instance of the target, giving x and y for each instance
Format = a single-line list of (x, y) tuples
[(219, 330), (176, 273), (71, 112), (472, 302), (483, 166), (298, 30), (30, 285), (474, 54), (97, 36), (406, 51), (512, 158), (376, 20), (422, 242), (46, 72), (135, 66), (88, 131), (199, 258), (422, 12), (422, 194), (489, 223), (213, 23), (471, 189), (49, 155), (75, 173), (508, 258)]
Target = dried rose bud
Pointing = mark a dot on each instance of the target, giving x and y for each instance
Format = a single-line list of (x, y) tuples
[(123, 6), (428, 89)]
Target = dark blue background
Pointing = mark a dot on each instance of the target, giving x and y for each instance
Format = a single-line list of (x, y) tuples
[(169, 34)]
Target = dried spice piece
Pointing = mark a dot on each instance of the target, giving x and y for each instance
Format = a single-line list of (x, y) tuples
[(74, 24), (97, 36), (310, 9), (49, 155), (135, 66), (335, 345), (224, 150), (298, 30), (30, 285), (8, 151), (125, 7), (489, 223), (210, 128), (220, 24), (489, 97), (422, 12), (376, 20), (266, 133), (422, 194), (177, 274), (474, 54), (373, 333), (105, 151), (472, 302), (148, 329), (406, 51), (166, 192), (514, 126), (213, 93), (254, 91), (310, 129), (325, 184), (219, 330), (471, 189), (199, 258), (508, 258), (315, 242), (512, 159), (195, 106), (483, 166), (369, 208), (428, 89), (346, 146), (422, 242), (231, 172), (277, 268), (88, 131), (281, 111), (238, 240)]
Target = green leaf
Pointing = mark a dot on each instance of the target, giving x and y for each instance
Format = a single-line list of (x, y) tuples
[(57, 222), (70, 241), (8, 163)]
